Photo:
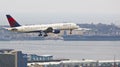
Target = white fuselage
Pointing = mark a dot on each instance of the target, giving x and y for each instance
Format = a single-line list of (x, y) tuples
[(42, 27)]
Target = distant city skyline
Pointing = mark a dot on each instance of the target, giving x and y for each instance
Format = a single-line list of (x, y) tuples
[(53, 11)]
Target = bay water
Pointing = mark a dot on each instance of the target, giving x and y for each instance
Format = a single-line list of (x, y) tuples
[(75, 50)]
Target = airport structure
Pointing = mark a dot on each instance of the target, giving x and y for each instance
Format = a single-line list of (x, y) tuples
[(74, 63), (41, 58), (12, 58)]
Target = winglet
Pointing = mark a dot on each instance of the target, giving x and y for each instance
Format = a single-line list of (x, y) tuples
[(12, 21)]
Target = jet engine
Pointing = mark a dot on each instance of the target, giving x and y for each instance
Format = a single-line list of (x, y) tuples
[(56, 31)]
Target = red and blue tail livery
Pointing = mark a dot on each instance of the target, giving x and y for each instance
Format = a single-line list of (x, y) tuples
[(12, 21)]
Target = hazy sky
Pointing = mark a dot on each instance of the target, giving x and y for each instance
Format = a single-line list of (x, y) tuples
[(59, 10)]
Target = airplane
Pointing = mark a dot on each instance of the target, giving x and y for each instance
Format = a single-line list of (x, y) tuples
[(42, 29)]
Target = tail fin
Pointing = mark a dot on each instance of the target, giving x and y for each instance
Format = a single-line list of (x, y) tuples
[(12, 21)]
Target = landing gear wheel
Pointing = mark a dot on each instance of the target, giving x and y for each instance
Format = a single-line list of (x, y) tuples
[(71, 31), (40, 35), (45, 35)]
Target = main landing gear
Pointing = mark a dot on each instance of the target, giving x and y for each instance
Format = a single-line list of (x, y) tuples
[(45, 34), (70, 31), (48, 30)]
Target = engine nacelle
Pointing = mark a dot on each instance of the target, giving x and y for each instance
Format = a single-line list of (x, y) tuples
[(56, 31)]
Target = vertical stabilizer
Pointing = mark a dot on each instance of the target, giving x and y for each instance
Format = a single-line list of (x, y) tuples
[(12, 21)]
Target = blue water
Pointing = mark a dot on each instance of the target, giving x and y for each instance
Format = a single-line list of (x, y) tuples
[(76, 50)]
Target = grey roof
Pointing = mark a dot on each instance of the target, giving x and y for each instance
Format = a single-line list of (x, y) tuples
[(2, 50)]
